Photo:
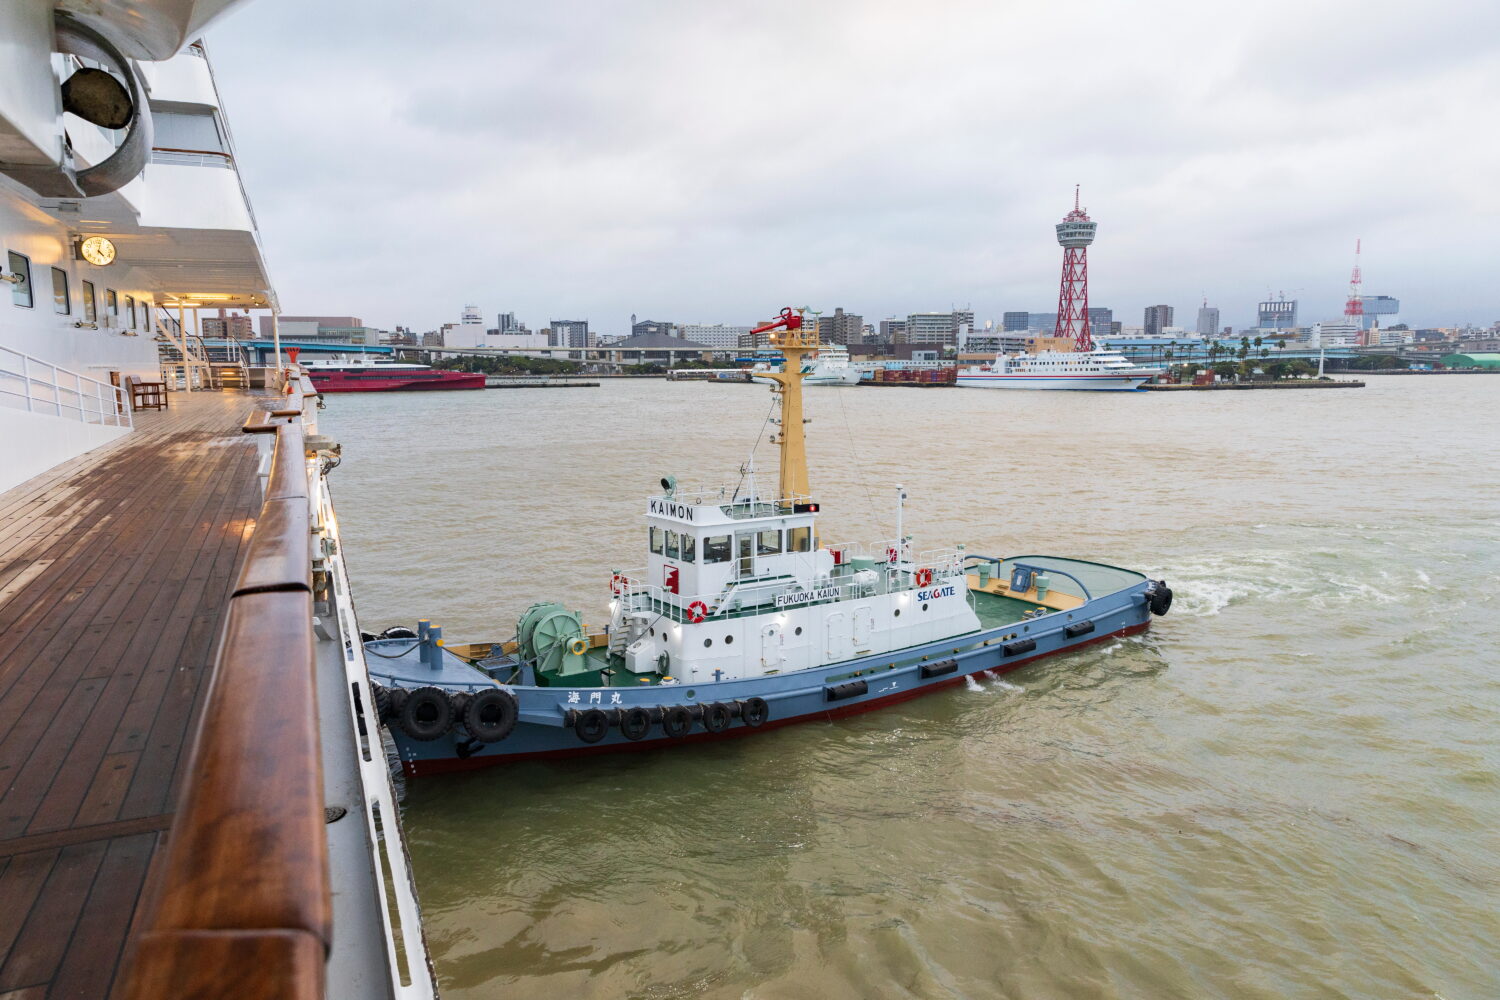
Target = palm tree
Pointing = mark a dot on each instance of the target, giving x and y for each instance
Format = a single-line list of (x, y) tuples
[(1281, 344)]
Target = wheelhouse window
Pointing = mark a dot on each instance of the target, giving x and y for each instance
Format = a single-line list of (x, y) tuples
[(798, 539), (20, 292), (717, 549), (90, 310), (112, 306), (768, 542), (671, 545), (62, 304), (689, 545), (656, 539), (130, 310)]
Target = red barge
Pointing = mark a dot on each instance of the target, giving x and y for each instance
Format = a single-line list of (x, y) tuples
[(387, 376)]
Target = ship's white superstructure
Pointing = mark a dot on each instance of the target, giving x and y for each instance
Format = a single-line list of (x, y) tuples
[(159, 200), (1095, 370)]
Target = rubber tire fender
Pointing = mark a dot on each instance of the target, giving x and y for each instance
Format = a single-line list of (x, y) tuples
[(592, 725), (381, 696), (716, 717), (1161, 598), (427, 714), (491, 714), (676, 721), (398, 632), (635, 723), (755, 712)]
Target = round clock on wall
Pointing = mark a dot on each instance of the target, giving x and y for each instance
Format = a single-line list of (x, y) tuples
[(97, 250)]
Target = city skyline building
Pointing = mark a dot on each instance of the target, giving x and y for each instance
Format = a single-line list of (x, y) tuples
[(719, 336), (841, 327), (1208, 320), (1158, 318), (1279, 313)]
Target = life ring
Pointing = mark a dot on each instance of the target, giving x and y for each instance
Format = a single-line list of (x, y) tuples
[(635, 723), (755, 712), (697, 611), (676, 721), (591, 725), (427, 714), (577, 646), (924, 577), (716, 717), (617, 584), (890, 555), (490, 715)]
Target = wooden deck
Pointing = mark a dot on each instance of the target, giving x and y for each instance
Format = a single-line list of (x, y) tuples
[(114, 571)]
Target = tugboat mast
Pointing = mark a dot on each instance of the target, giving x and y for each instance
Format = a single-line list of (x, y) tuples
[(795, 342)]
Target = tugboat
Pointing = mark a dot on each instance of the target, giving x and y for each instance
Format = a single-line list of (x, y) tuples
[(744, 619)]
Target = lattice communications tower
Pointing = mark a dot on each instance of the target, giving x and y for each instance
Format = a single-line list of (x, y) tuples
[(1075, 232), (1354, 309)]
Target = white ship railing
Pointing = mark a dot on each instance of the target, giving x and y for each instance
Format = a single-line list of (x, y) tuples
[(38, 386)]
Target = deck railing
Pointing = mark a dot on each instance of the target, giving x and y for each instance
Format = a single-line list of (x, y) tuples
[(243, 906), (38, 386)]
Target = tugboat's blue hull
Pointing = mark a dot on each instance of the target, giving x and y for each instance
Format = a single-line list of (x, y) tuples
[(548, 717)]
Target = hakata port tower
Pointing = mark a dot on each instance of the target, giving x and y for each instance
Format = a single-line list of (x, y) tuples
[(1075, 232)]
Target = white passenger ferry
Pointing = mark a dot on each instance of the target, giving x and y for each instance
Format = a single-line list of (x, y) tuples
[(1096, 370), (830, 366)]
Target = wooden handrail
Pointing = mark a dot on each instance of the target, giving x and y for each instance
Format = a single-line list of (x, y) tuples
[(243, 905)]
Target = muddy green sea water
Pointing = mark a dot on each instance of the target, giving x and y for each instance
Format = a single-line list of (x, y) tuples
[(1288, 787)]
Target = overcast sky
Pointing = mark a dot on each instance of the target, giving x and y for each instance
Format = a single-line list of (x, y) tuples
[(714, 161)]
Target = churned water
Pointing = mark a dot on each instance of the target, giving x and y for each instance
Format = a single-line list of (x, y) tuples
[(1288, 787)]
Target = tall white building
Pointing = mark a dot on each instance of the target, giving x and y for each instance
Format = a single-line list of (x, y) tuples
[(715, 335), (1336, 333), (1208, 321)]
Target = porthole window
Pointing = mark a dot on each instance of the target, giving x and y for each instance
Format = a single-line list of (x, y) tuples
[(653, 633), (1025, 628), (728, 640), (707, 643), (898, 612), (797, 630), (691, 692), (924, 607)]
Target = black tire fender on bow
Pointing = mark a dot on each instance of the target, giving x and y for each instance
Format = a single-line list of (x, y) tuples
[(426, 714), (755, 712), (1161, 598), (591, 725), (635, 723), (491, 714), (717, 717), (676, 721)]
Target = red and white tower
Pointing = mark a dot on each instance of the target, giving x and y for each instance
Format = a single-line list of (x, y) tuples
[(1075, 232), (1354, 309)]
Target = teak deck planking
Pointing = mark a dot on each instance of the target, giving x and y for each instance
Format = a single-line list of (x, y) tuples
[(115, 569)]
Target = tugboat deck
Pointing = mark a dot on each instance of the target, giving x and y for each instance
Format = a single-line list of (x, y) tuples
[(115, 570)]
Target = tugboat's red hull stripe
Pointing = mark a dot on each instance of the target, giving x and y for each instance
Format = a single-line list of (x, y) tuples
[(422, 768)]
